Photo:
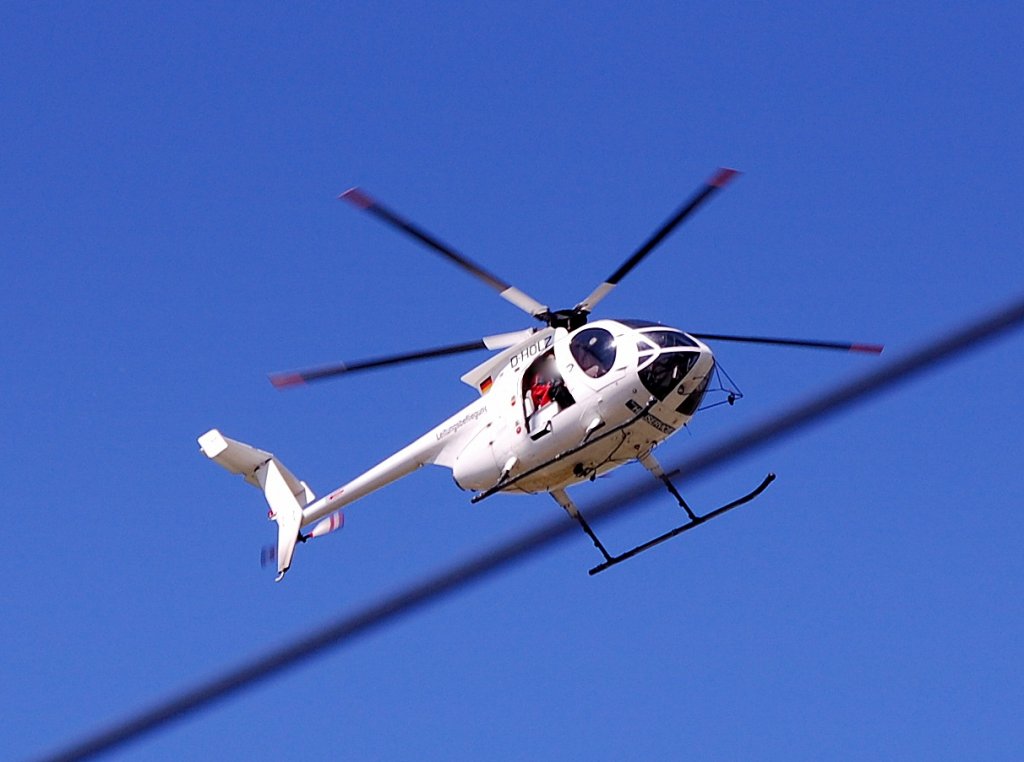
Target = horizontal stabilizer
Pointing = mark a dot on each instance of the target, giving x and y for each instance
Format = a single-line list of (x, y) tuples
[(245, 460)]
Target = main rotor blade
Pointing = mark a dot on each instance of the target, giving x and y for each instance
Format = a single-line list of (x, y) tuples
[(875, 349), (720, 179), (507, 292), (298, 377)]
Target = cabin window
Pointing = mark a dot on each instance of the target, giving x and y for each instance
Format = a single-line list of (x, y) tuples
[(594, 350)]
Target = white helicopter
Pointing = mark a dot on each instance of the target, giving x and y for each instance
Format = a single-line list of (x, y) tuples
[(558, 405)]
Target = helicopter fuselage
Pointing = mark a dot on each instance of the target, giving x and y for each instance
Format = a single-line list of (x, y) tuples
[(557, 392), (557, 406)]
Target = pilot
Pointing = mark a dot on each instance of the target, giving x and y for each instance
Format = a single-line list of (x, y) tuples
[(589, 362)]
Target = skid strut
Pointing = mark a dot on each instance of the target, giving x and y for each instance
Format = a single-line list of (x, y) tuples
[(563, 499), (649, 462)]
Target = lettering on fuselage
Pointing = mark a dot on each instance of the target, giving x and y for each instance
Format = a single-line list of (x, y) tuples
[(651, 420), (533, 350), (449, 430)]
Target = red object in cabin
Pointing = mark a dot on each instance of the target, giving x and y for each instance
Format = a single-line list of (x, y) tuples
[(540, 393)]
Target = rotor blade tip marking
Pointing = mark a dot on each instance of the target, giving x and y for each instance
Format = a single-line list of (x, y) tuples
[(874, 349), (284, 380), (722, 177), (357, 197)]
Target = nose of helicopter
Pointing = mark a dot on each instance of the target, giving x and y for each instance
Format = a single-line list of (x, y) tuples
[(676, 370), (697, 381)]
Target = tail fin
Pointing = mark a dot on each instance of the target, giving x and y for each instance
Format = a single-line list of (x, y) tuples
[(285, 494)]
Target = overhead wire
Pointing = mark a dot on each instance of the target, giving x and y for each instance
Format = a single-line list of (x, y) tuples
[(503, 556)]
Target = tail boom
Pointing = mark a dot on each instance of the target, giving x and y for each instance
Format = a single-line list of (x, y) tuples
[(292, 503)]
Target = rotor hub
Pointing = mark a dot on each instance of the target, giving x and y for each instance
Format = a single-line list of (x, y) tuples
[(570, 320)]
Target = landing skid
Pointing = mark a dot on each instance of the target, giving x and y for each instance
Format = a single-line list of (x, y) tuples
[(695, 521)]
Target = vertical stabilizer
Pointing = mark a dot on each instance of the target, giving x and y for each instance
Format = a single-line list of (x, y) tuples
[(285, 510)]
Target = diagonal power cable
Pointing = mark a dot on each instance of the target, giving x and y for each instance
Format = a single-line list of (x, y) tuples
[(501, 557)]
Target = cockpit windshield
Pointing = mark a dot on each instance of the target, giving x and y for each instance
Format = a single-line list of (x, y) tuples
[(667, 372), (667, 339), (662, 335), (639, 324)]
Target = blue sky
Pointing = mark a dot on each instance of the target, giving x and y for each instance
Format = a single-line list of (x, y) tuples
[(170, 234)]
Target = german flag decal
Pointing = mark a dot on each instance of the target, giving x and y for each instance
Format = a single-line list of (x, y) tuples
[(486, 384)]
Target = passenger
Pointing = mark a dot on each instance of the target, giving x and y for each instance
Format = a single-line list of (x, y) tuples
[(544, 382), (540, 391)]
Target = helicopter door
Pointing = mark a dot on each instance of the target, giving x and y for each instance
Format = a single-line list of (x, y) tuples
[(544, 395), (596, 362)]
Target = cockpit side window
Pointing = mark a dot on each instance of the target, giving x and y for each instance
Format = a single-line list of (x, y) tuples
[(594, 350)]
